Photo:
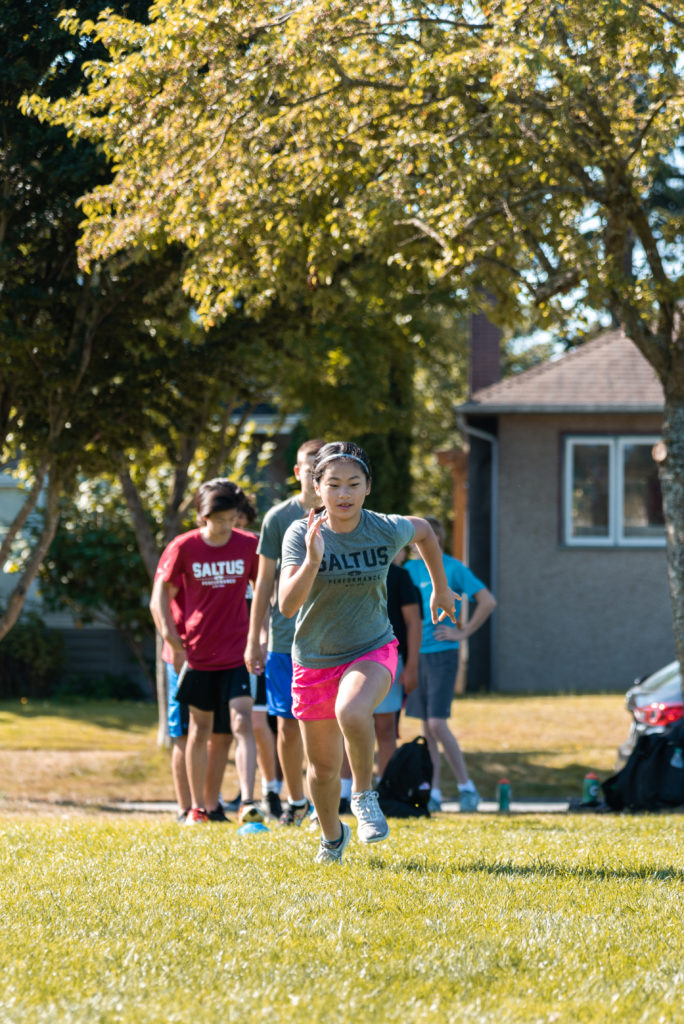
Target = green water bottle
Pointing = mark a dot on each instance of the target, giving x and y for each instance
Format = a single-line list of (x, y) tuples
[(590, 789), (503, 792)]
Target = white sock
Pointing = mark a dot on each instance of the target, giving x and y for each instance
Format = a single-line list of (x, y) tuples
[(467, 787), (345, 789), (436, 794), (271, 787), (297, 803)]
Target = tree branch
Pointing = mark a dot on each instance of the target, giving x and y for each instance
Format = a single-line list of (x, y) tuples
[(147, 544), (24, 512), (663, 14), (32, 564)]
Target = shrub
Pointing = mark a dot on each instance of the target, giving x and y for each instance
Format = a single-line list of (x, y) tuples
[(109, 686), (31, 658)]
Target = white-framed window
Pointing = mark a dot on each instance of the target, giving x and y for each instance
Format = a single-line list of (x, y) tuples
[(611, 491)]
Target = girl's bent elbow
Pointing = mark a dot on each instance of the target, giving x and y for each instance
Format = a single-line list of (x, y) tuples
[(286, 609)]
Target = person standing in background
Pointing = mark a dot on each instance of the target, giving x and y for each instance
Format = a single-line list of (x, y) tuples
[(178, 718), (212, 565), (438, 666), (405, 614)]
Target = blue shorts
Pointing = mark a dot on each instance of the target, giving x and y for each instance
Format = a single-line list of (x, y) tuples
[(279, 684), (177, 714), (395, 698)]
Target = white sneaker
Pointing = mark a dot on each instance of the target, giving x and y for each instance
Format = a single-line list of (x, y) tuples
[(373, 825), (333, 854)]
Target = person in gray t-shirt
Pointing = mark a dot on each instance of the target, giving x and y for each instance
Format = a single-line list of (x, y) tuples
[(333, 578), (275, 659)]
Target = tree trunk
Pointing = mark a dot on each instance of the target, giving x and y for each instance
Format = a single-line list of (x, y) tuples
[(32, 564), (24, 512), (143, 532), (672, 486)]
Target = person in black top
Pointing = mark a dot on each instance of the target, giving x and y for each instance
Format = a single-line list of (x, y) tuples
[(404, 608)]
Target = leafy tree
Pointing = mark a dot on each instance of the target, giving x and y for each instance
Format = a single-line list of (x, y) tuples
[(510, 147), (95, 570), (56, 323)]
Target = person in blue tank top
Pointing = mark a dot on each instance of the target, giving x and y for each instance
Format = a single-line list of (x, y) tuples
[(333, 578), (438, 665)]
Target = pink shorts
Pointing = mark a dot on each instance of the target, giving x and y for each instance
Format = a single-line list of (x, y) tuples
[(314, 690)]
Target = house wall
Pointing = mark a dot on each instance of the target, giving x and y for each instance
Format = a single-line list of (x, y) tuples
[(569, 618)]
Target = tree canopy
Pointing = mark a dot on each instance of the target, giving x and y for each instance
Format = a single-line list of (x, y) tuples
[(508, 149)]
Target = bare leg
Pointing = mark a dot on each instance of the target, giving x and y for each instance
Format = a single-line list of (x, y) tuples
[(291, 756), (361, 689), (217, 759), (433, 750), (179, 773), (265, 745), (199, 733), (439, 728), (245, 747), (386, 736), (323, 745)]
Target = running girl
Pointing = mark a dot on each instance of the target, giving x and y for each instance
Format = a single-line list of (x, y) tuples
[(334, 570)]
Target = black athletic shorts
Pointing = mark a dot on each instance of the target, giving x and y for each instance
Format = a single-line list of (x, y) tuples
[(213, 690)]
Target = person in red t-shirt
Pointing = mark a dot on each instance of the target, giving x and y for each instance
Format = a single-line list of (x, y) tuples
[(213, 564)]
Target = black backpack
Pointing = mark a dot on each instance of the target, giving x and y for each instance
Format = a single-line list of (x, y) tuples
[(653, 777), (404, 789)]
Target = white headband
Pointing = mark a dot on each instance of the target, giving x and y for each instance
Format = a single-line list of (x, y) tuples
[(343, 455)]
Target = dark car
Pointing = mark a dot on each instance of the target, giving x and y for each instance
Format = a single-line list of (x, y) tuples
[(653, 701)]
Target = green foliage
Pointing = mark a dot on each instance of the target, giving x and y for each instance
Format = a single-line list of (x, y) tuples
[(109, 686), (506, 147), (535, 918), (94, 568), (511, 149), (31, 659)]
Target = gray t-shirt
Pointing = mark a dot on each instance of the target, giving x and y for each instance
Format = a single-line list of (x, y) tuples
[(276, 522), (345, 614)]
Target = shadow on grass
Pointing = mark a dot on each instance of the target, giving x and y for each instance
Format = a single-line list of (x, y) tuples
[(533, 774), (540, 869), (137, 716)]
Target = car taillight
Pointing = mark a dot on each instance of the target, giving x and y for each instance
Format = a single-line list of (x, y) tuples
[(659, 714)]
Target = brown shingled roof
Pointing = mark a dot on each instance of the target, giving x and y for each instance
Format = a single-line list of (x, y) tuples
[(607, 374)]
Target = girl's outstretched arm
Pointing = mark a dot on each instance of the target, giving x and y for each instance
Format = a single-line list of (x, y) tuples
[(443, 598)]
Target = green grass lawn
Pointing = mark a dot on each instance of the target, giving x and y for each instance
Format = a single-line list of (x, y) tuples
[(501, 919), (107, 751)]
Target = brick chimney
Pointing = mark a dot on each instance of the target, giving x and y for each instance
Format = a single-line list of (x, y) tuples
[(485, 353)]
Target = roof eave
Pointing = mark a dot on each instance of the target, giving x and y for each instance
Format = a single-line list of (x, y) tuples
[(496, 409)]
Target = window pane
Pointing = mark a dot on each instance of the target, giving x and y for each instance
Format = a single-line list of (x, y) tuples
[(642, 501), (590, 490)]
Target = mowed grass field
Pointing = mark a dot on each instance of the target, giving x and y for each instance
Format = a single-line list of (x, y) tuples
[(128, 918), (481, 918), (94, 753)]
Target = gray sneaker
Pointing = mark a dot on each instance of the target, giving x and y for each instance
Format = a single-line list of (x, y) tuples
[(470, 800), (333, 854), (373, 825)]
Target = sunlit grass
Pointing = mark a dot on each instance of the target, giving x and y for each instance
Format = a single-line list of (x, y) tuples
[(108, 750), (461, 919), (87, 725)]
